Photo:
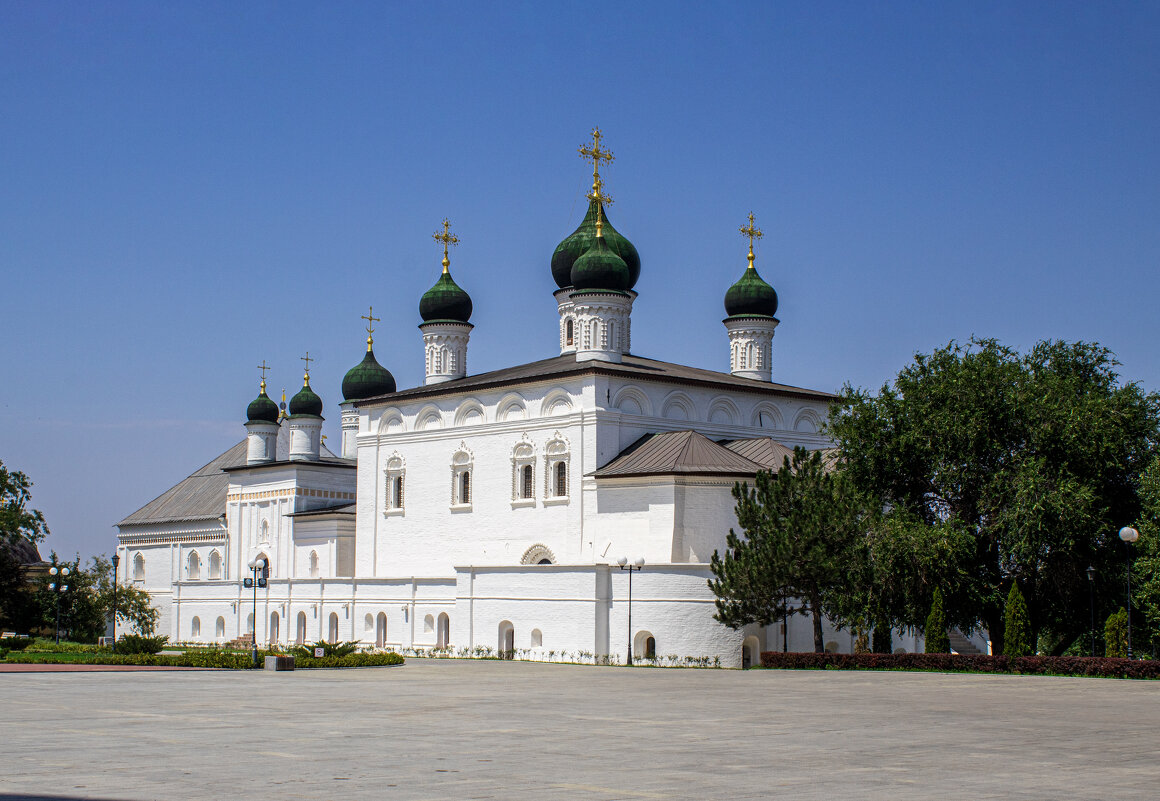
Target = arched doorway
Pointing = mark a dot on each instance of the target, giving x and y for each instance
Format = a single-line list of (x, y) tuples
[(300, 634), (273, 628), (443, 631), (750, 652), (381, 630), (333, 633), (644, 645), (507, 640)]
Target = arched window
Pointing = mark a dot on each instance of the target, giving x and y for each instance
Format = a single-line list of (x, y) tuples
[(523, 473), (395, 485), (461, 464), (537, 638), (138, 568), (465, 487), (314, 564), (333, 633), (194, 566), (273, 633), (265, 531), (250, 623), (556, 458), (443, 631), (300, 634), (650, 648), (526, 484), (215, 565), (381, 630), (644, 645), (195, 627), (507, 640), (219, 629), (611, 331), (561, 479), (569, 332), (398, 492)]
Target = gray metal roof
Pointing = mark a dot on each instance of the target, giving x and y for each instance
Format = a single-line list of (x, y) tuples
[(677, 453), (766, 451), (632, 367), (202, 495)]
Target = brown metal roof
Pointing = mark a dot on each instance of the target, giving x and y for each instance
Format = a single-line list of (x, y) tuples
[(766, 451), (636, 367), (341, 509), (677, 453)]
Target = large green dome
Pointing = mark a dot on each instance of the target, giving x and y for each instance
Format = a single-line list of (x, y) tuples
[(751, 296), (262, 409), (600, 268), (578, 243), (367, 379), (445, 301), (306, 402)]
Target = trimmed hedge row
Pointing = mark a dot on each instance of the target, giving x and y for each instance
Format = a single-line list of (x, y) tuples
[(957, 663), (203, 659), (350, 660)]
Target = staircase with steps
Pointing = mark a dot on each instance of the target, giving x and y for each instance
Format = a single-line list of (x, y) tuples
[(960, 644)]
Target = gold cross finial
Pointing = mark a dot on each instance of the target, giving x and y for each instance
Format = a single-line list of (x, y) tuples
[(448, 239), (596, 154), (308, 360), (371, 320), (263, 368), (753, 232)]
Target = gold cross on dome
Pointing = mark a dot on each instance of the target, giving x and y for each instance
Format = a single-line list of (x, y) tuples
[(263, 368), (371, 320), (596, 154), (308, 360), (598, 192), (753, 232), (447, 239)]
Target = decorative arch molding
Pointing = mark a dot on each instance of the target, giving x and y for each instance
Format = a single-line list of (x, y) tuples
[(537, 554), (470, 413), (429, 417), (767, 415), (391, 422), (511, 407), (678, 406), (394, 478), (396, 461), (524, 447), (632, 400), (557, 469), (723, 410), (556, 402), (807, 421)]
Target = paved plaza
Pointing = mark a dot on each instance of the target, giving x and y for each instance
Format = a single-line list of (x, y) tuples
[(449, 729)]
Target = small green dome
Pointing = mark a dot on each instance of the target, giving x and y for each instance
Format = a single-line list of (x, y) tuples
[(600, 268), (367, 379), (751, 296), (262, 409), (576, 245), (445, 301), (306, 402)]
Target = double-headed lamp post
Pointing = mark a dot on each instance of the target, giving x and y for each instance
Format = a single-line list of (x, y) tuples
[(1129, 535), (1091, 574), (258, 565), (116, 561), (631, 568), (57, 585)]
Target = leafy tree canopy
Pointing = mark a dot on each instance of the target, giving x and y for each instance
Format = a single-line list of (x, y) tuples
[(17, 521), (1025, 465)]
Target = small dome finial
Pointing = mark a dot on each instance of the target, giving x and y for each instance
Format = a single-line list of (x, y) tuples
[(753, 232), (448, 239), (371, 320), (306, 375)]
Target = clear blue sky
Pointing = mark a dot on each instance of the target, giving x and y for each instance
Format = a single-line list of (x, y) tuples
[(188, 189)]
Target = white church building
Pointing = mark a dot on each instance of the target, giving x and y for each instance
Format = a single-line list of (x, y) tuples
[(485, 513)]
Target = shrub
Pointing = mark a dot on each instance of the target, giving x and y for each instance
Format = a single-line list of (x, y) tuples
[(979, 663), (937, 641), (136, 644), (1116, 634), (1017, 639), (15, 643), (328, 649), (45, 645), (348, 660)]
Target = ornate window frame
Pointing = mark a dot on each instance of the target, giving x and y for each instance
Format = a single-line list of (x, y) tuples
[(557, 450), (395, 486), (523, 457), (462, 464)]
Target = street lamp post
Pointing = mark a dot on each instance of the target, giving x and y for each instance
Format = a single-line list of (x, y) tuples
[(1091, 574), (116, 561), (258, 566), (631, 568), (58, 587), (1129, 535)]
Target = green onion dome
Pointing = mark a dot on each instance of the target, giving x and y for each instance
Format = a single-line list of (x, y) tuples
[(576, 245), (262, 409), (445, 301), (751, 296), (367, 379), (600, 268), (306, 402)]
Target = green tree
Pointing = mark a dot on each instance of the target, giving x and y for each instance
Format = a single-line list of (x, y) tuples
[(883, 641), (134, 605), (1017, 625), (80, 616), (1116, 634), (803, 526), (1034, 459), (935, 630), (1146, 564), (17, 521)]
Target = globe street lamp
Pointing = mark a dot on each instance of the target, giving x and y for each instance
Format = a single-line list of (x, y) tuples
[(58, 586), (1129, 535), (261, 571), (1091, 574), (116, 561), (624, 565)]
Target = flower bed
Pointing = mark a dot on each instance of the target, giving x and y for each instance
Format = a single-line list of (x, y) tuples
[(962, 663)]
